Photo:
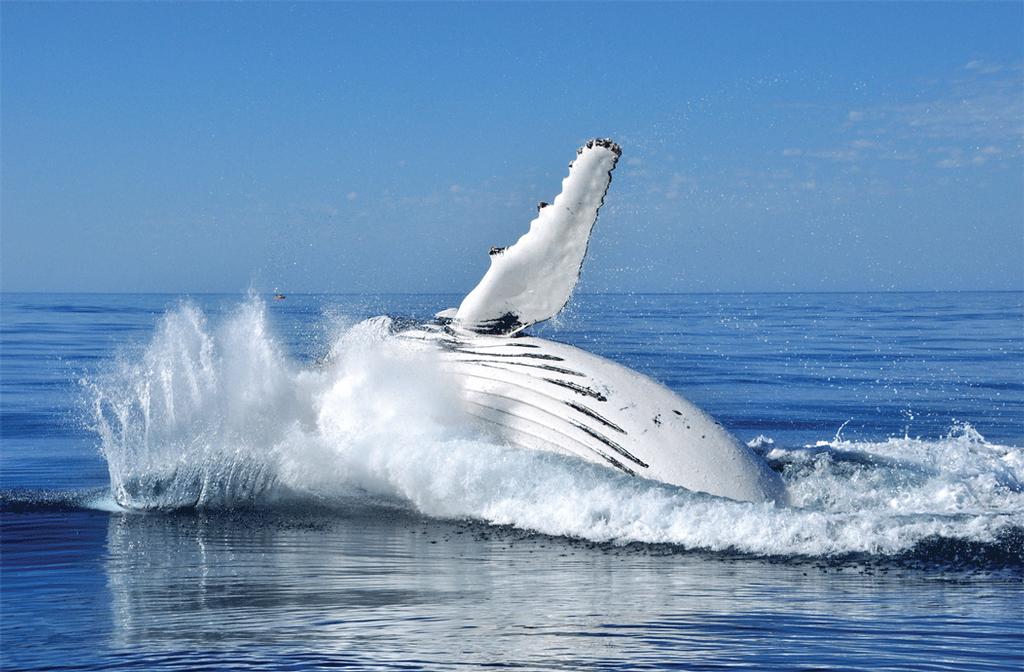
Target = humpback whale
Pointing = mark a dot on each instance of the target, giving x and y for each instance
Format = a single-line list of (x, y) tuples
[(543, 395)]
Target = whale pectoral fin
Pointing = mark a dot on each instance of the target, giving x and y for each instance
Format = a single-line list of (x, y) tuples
[(531, 281)]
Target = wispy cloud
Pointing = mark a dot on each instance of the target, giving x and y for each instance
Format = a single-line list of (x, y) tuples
[(983, 67), (973, 118), (676, 185), (956, 157)]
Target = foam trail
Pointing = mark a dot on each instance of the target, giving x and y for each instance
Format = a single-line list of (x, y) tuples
[(219, 416)]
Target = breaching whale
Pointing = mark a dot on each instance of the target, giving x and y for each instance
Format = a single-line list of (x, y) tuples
[(540, 394)]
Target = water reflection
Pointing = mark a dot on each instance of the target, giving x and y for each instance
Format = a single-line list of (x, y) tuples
[(384, 588)]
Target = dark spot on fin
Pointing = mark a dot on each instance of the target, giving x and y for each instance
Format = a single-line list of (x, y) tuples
[(657, 419), (586, 411), (601, 142), (496, 250), (676, 412), (542, 205), (578, 389)]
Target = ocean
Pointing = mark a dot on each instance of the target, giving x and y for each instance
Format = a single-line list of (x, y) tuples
[(302, 498)]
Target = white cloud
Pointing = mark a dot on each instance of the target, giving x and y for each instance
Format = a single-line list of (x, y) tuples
[(983, 67), (974, 117), (955, 157), (835, 154), (976, 108), (677, 183)]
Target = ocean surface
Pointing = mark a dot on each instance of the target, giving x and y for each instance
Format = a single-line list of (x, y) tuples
[(298, 500)]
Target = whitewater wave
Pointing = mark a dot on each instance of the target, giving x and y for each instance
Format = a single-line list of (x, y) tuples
[(219, 416)]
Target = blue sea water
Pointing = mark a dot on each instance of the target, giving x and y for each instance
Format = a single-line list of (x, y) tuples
[(282, 532)]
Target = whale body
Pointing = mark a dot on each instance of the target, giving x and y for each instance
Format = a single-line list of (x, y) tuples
[(544, 395)]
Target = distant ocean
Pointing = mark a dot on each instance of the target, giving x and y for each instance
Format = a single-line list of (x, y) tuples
[(268, 542)]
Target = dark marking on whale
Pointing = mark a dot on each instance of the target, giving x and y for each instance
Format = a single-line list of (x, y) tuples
[(545, 367), (454, 344), (503, 325), (528, 355), (611, 444), (596, 416), (578, 389), (615, 463), (496, 250), (524, 392)]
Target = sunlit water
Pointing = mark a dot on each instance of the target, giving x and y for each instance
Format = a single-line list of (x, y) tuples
[(302, 491)]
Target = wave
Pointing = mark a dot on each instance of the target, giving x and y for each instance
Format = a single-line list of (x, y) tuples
[(219, 416)]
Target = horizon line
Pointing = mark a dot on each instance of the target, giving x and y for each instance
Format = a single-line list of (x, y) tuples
[(448, 293)]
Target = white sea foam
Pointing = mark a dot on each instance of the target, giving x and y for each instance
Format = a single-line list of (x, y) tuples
[(218, 415)]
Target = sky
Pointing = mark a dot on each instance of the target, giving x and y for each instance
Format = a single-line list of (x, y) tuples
[(369, 147)]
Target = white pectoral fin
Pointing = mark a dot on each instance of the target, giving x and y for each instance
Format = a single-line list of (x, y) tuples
[(531, 281)]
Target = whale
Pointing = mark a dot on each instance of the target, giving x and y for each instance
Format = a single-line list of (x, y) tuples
[(539, 394)]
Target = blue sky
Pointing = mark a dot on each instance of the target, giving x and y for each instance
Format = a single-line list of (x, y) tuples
[(372, 147)]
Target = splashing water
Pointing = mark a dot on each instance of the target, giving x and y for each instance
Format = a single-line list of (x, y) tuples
[(219, 416)]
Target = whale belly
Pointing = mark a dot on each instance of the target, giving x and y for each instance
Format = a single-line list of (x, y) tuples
[(545, 395)]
